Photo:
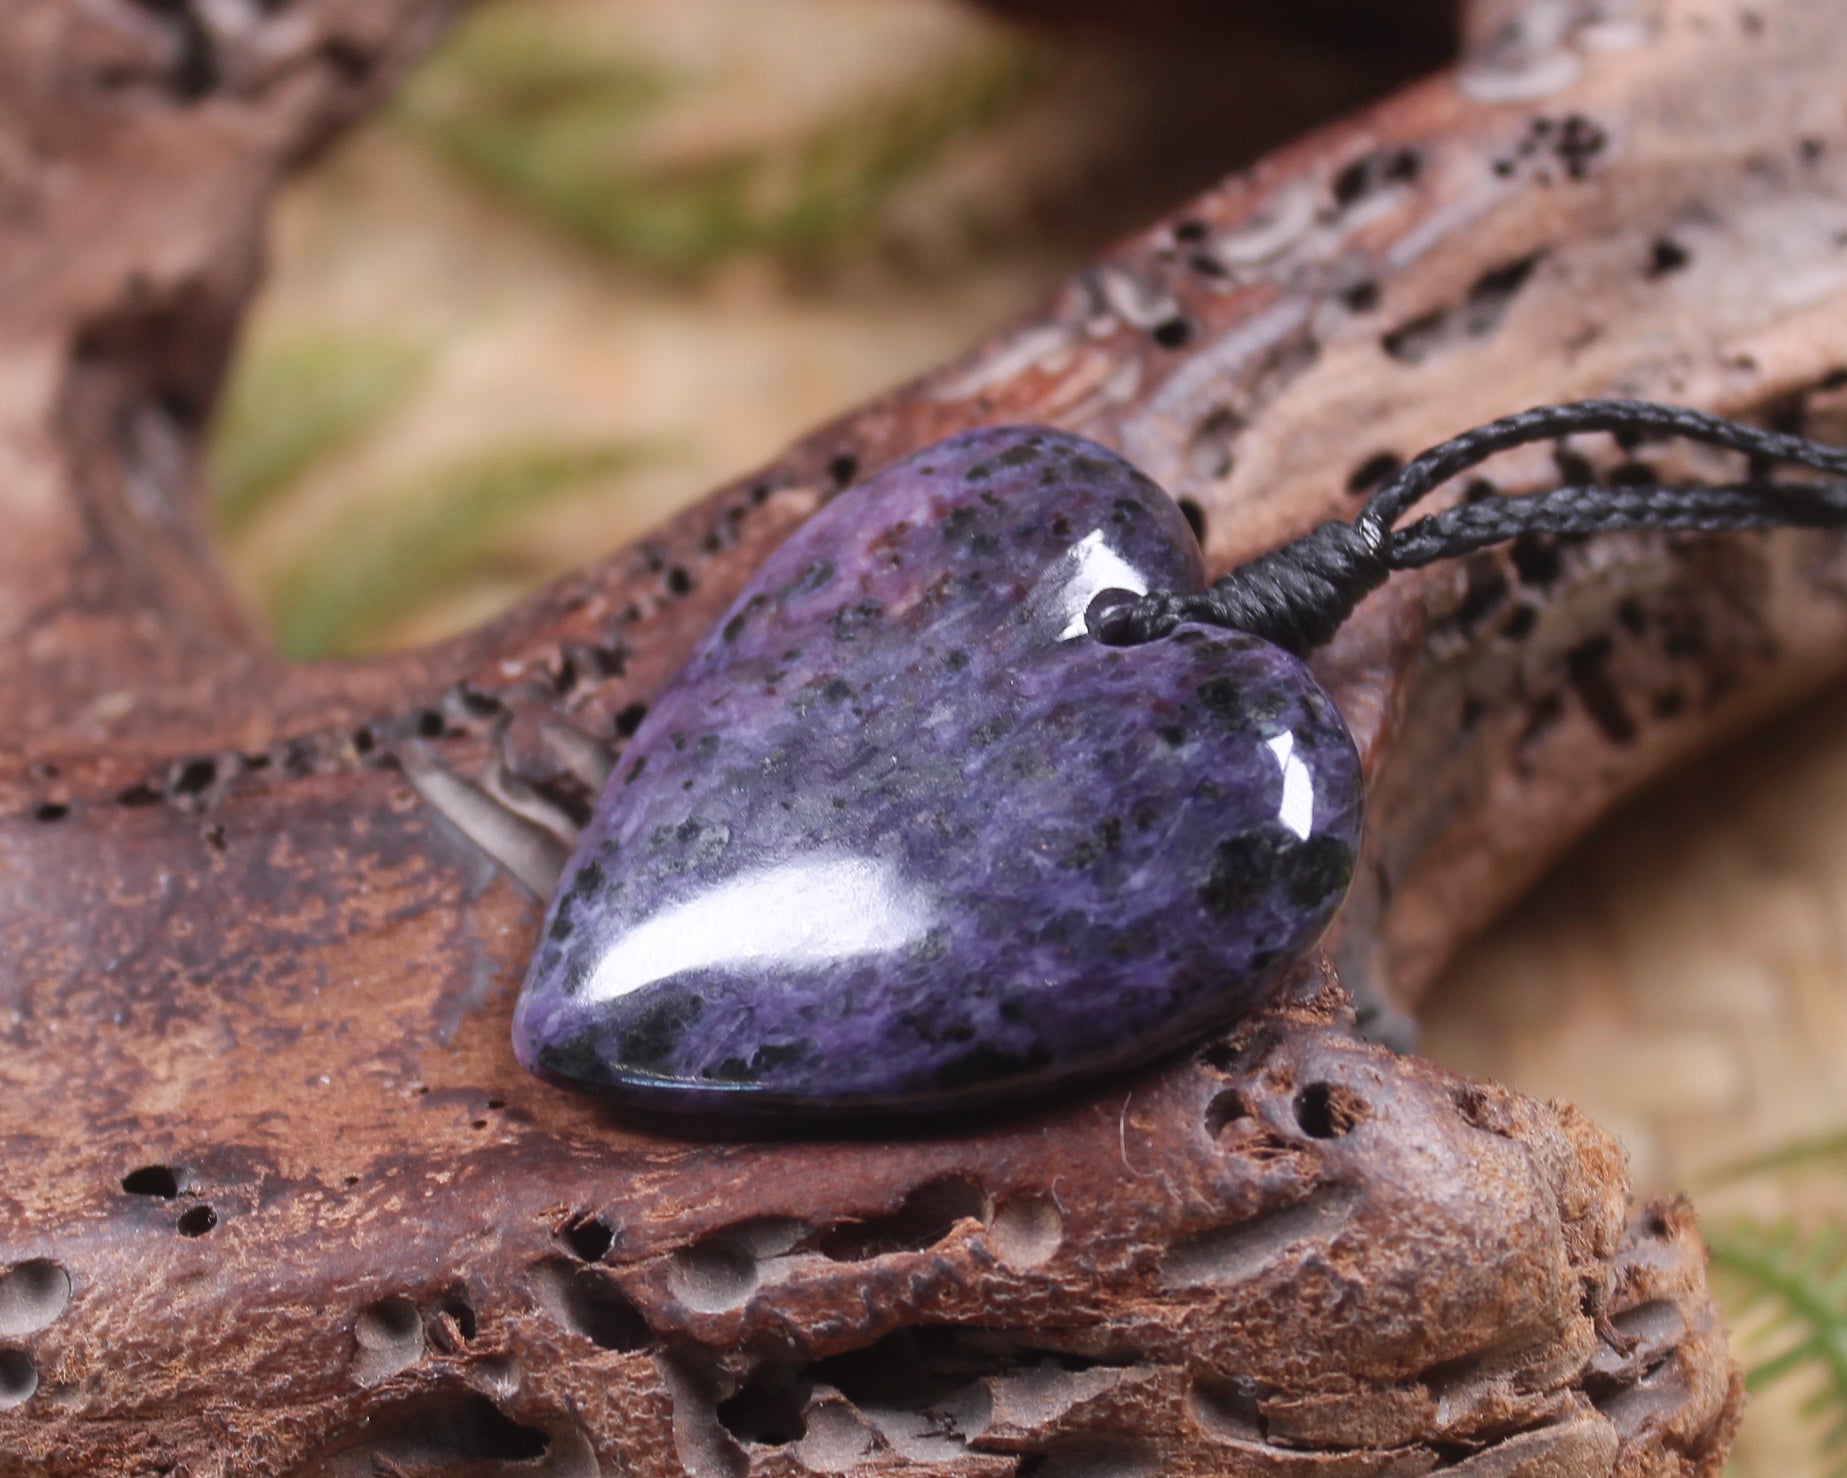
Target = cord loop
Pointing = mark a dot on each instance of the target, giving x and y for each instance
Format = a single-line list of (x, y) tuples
[(1299, 595)]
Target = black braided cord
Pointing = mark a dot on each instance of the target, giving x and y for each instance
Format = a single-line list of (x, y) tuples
[(1298, 596)]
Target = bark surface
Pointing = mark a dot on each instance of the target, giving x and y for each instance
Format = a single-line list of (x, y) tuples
[(277, 1199)]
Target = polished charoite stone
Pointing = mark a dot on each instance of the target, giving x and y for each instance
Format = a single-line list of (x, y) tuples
[(903, 835)]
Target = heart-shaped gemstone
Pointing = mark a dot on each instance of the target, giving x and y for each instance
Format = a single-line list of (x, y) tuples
[(904, 835)]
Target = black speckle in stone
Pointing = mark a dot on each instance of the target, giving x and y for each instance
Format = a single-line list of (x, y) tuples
[(922, 1030), (838, 690), (634, 770), (1244, 869), (561, 928), (573, 1060), (735, 626), (1223, 697), (768, 1059), (652, 1039), (1173, 735), (987, 1064), (814, 577), (774, 1056), (1316, 868), (589, 880), (957, 660), (1141, 940), (851, 621)]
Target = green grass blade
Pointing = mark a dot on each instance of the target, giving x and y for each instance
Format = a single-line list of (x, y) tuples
[(1795, 1276), (411, 545), (295, 402), (1819, 1152)]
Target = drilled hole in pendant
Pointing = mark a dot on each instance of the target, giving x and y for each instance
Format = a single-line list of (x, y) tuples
[(1106, 613)]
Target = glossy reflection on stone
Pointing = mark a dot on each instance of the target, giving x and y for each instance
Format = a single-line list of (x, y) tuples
[(903, 835)]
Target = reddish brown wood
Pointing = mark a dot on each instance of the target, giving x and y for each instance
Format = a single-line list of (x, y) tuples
[(262, 924)]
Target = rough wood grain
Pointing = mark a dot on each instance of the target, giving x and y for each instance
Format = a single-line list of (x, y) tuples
[(277, 1199)]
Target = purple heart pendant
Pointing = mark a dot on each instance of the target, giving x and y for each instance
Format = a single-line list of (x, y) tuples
[(904, 836)]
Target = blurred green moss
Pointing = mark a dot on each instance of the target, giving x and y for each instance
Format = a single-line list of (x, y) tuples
[(411, 544), (555, 124), (294, 402)]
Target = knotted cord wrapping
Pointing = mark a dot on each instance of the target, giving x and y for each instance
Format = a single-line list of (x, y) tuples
[(1299, 595)]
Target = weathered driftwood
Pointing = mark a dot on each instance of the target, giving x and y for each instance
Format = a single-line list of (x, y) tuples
[(277, 1199)]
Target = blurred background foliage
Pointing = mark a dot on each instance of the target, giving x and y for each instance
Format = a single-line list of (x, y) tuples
[(600, 255), (1780, 1273), (563, 129), (656, 239)]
